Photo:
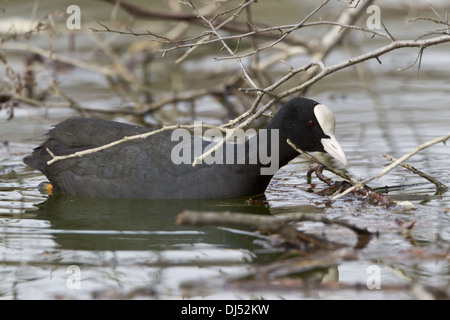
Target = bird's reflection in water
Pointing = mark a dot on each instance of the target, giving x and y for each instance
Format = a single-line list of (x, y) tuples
[(120, 224)]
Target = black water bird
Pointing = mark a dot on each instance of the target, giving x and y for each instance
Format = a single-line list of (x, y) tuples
[(160, 166)]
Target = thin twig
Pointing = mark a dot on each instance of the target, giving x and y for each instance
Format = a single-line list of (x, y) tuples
[(225, 25), (72, 103), (107, 146), (206, 37), (419, 56), (442, 188), (230, 52), (430, 19), (186, 43), (295, 27), (124, 139)]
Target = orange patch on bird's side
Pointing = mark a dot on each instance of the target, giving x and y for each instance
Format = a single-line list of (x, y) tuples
[(46, 188)]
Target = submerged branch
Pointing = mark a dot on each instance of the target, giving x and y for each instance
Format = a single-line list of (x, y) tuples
[(297, 217), (271, 224), (278, 224), (263, 223)]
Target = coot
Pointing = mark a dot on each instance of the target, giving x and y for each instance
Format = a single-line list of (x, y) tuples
[(160, 166)]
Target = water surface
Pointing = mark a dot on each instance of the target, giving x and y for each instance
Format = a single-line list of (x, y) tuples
[(132, 249)]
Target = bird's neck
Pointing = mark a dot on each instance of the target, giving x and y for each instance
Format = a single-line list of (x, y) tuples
[(269, 150), (279, 137)]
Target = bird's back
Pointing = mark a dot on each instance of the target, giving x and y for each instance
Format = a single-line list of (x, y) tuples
[(141, 168)]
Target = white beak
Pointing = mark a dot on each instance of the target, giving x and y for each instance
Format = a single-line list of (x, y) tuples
[(333, 148), (326, 121)]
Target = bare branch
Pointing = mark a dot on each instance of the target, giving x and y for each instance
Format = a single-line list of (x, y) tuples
[(279, 224), (367, 56), (268, 224), (206, 40), (114, 143), (224, 25)]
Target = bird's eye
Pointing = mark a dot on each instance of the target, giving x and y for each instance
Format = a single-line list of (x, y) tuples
[(311, 124)]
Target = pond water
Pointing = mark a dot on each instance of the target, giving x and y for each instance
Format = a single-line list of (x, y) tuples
[(134, 249)]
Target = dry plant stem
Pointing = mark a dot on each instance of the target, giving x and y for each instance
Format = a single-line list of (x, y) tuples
[(117, 63), (29, 101), (260, 93), (114, 143), (155, 106), (146, 13), (440, 186), (325, 71), (200, 158), (106, 146), (38, 103), (395, 164)]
